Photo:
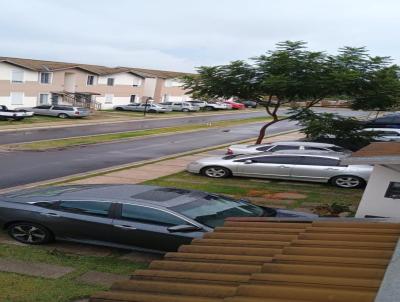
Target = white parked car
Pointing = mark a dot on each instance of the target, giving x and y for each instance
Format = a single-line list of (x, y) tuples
[(300, 167), (180, 106), (151, 108), (385, 134), (296, 146), (61, 111), (15, 115)]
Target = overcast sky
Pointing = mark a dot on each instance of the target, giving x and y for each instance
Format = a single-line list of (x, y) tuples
[(182, 34)]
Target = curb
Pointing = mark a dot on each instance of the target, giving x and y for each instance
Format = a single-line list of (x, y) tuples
[(98, 172), (105, 122)]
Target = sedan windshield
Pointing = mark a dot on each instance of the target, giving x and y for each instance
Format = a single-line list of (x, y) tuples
[(212, 210)]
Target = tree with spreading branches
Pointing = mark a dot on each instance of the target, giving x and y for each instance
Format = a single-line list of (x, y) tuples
[(291, 74)]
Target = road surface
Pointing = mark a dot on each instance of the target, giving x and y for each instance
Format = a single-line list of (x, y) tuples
[(10, 137), (23, 167)]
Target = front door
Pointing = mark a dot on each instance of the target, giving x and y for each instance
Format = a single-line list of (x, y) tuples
[(266, 166), (81, 220), (147, 227), (316, 168)]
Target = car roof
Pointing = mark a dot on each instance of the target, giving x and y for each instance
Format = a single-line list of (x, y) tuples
[(287, 153), (295, 143), (134, 194)]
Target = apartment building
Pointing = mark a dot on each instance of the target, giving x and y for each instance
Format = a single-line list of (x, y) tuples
[(28, 83)]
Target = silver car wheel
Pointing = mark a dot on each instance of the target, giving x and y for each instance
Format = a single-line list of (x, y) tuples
[(28, 234), (347, 182), (215, 172)]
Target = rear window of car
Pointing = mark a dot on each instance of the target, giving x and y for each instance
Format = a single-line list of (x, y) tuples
[(63, 108), (319, 161)]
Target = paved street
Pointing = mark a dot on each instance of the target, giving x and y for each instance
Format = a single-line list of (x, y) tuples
[(23, 167), (9, 137)]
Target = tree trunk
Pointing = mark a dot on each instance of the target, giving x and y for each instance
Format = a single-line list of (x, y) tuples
[(263, 129)]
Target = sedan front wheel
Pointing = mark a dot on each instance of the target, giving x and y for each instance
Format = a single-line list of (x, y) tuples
[(348, 181), (29, 233), (216, 172)]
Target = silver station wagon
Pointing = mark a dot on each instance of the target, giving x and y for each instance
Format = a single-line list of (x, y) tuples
[(61, 111), (302, 167)]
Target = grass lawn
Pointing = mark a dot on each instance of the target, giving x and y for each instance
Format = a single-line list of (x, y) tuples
[(310, 197), (20, 288), (105, 115), (94, 139)]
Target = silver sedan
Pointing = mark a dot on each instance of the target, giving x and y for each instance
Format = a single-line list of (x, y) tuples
[(298, 146), (151, 108), (302, 167)]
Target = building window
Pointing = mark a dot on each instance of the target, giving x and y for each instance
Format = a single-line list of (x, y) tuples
[(110, 81), (133, 98), (17, 98), (90, 80), (393, 191), (17, 76), (108, 98), (45, 77), (43, 99)]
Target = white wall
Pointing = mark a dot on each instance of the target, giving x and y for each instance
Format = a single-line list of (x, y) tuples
[(149, 87), (123, 78), (28, 101), (6, 70), (373, 201), (115, 101)]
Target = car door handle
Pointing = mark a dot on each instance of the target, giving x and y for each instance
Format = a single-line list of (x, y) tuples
[(127, 227), (50, 214), (331, 169), (282, 166)]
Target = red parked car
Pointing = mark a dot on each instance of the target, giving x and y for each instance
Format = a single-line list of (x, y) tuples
[(235, 105)]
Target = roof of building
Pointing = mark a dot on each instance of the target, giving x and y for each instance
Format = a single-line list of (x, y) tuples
[(42, 65), (265, 260), (376, 153)]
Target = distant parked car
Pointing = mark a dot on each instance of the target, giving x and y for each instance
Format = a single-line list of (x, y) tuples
[(180, 106), (234, 105), (151, 108), (303, 167), (216, 106), (248, 103), (61, 111), (287, 146), (15, 115), (125, 216), (200, 104), (387, 121), (385, 134)]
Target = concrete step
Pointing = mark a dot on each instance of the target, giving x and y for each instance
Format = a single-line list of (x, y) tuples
[(348, 237), (249, 236), (189, 277), (344, 244), (137, 296), (248, 243), (218, 258), (305, 293), (222, 250), (317, 281), (200, 267), (318, 270), (336, 252), (174, 288), (332, 261)]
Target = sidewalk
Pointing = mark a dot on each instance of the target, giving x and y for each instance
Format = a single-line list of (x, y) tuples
[(163, 168)]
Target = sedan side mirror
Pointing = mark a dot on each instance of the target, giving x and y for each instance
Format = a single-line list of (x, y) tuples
[(184, 228), (248, 161)]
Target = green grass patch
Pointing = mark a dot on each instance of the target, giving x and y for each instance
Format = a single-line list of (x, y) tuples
[(261, 191), (19, 288), (95, 139)]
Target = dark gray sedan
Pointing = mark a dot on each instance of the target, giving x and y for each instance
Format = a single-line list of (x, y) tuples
[(125, 216)]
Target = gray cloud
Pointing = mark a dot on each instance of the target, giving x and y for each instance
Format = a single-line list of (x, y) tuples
[(178, 34)]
